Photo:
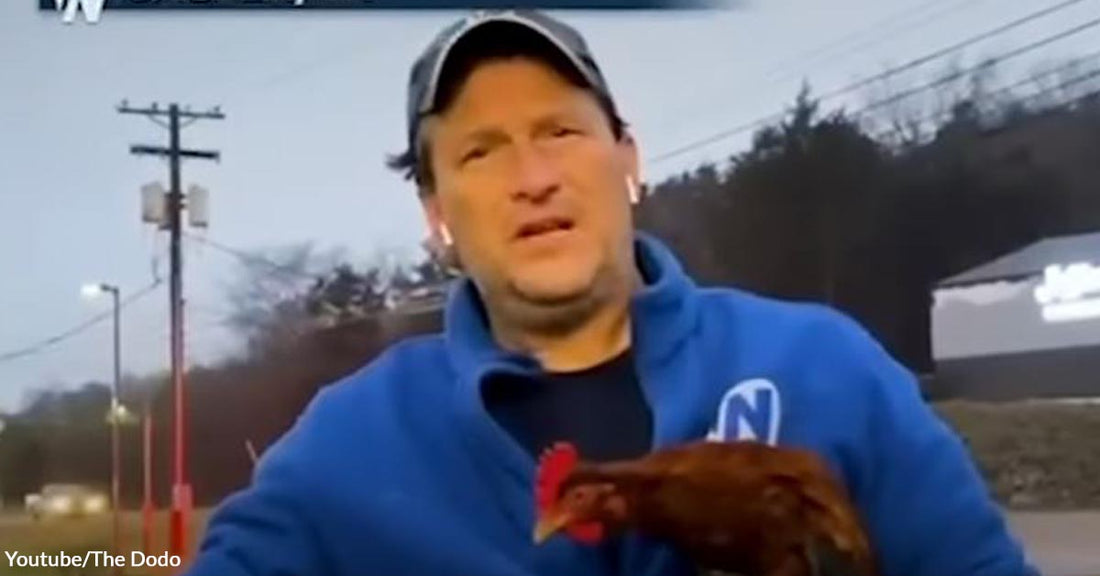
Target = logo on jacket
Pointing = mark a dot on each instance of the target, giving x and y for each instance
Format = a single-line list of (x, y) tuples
[(750, 410)]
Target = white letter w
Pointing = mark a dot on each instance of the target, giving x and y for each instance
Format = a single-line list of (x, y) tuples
[(92, 9)]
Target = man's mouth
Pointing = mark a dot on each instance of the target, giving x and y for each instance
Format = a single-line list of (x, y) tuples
[(543, 226)]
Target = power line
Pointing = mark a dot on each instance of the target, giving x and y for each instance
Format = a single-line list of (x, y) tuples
[(43, 345), (252, 259), (843, 46), (986, 64), (248, 258), (1007, 89), (935, 55), (939, 116), (1094, 74), (1079, 79), (1067, 66)]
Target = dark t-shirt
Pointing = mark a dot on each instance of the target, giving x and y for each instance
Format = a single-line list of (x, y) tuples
[(601, 410)]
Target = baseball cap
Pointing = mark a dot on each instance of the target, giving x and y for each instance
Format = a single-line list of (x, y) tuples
[(429, 68)]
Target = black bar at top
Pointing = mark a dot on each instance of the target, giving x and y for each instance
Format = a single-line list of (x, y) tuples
[(110, 5)]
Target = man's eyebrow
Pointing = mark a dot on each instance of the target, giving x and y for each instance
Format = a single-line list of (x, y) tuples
[(571, 117), (483, 136), (551, 120)]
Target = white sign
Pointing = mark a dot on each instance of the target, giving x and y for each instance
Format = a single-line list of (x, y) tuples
[(1069, 292)]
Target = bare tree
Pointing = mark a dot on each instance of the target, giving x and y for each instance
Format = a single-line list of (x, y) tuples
[(267, 308)]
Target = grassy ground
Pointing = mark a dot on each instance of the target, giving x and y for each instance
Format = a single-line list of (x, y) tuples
[(18, 533), (1035, 455)]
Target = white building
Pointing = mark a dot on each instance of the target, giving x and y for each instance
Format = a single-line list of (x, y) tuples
[(1024, 325)]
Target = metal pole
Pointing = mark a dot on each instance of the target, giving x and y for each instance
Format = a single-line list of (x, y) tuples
[(181, 492), (147, 464), (116, 455)]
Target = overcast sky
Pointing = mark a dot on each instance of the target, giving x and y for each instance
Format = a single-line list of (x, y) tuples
[(314, 101)]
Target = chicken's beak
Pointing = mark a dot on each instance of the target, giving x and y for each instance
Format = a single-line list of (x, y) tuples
[(549, 525)]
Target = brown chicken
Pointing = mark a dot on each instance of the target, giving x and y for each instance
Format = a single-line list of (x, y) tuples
[(738, 507)]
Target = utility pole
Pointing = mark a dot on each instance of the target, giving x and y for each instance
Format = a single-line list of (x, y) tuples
[(182, 497)]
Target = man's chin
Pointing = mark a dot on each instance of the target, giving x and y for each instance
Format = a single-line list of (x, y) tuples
[(552, 287), (550, 295), (549, 309)]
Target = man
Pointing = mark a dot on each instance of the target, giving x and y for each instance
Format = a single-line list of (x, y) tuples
[(569, 325)]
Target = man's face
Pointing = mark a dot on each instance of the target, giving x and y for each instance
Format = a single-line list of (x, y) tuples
[(532, 184)]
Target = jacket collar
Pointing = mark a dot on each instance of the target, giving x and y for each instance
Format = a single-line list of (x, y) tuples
[(663, 317), (663, 314)]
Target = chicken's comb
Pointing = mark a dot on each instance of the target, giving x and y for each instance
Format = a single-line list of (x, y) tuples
[(555, 466)]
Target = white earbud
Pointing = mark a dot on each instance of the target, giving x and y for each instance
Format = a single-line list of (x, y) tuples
[(632, 190), (445, 235)]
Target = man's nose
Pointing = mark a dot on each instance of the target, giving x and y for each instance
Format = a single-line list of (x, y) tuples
[(537, 175)]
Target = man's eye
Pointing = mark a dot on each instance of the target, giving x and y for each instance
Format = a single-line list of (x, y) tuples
[(562, 131), (474, 154)]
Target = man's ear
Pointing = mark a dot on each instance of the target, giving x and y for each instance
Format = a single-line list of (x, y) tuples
[(432, 212), (439, 243), (439, 236), (628, 157)]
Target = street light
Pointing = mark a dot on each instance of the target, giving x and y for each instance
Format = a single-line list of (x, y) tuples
[(117, 412)]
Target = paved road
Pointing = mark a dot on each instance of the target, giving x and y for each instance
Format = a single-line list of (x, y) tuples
[(1061, 543)]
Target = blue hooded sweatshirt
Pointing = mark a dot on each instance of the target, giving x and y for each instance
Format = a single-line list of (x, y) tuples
[(399, 470)]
